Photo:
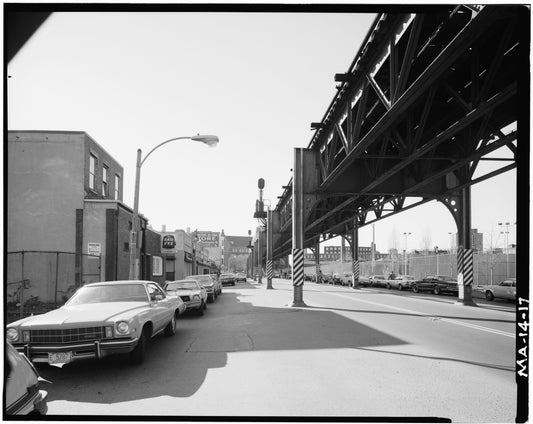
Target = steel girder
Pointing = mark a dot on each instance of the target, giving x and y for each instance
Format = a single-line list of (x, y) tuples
[(426, 99)]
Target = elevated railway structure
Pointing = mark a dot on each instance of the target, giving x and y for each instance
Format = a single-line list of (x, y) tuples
[(428, 97)]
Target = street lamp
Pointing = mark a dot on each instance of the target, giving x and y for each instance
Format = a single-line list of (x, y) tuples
[(506, 225), (210, 140), (251, 256), (405, 254)]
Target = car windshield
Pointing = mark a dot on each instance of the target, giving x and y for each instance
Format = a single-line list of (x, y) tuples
[(182, 285), (201, 278), (109, 293)]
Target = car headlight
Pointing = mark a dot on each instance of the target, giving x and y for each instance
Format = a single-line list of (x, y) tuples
[(123, 327), (12, 334), (196, 297)]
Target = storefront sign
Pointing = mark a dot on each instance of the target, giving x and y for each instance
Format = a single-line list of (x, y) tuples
[(208, 238), (168, 244)]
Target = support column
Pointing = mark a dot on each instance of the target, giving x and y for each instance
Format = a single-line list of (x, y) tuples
[(260, 256), (355, 254), (465, 255), (317, 263), (269, 250), (298, 228)]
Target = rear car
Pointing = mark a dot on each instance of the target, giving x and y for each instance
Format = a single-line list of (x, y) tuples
[(23, 394), (191, 293), (505, 290), (240, 277), (227, 279), (207, 282)]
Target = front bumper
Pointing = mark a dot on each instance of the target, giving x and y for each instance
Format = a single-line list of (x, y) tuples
[(227, 282), (192, 304), (96, 349)]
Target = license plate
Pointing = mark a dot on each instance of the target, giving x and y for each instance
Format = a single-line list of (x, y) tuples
[(59, 357)]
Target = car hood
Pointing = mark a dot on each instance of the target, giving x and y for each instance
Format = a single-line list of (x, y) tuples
[(87, 313), (184, 292)]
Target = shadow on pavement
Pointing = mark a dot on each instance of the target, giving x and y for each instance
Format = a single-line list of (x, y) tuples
[(381, 312), (177, 366)]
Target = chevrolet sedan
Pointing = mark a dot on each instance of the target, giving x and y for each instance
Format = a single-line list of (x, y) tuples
[(98, 320), (193, 295)]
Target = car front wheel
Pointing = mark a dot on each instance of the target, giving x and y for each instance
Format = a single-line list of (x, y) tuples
[(170, 329), (400, 287), (489, 296), (137, 355), (436, 290), (415, 288)]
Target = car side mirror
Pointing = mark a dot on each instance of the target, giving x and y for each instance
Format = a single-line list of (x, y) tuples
[(156, 297)]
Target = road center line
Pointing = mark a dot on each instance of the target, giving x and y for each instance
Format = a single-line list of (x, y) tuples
[(448, 320)]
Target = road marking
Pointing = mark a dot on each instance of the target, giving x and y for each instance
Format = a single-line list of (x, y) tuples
[(451, 321)]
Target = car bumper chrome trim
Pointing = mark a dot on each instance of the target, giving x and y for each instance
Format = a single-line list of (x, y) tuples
[(96, 349)]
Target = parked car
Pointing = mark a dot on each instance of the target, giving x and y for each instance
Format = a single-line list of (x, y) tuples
[(378, 280), (327, 279), (207, 282), (505, 290), (98, 320), (216, 279), (437, 284), (344, 279), (191, 292), (23, 394), (402, 282), (309, 277), (364, 281), (227, 279), (240, 277)]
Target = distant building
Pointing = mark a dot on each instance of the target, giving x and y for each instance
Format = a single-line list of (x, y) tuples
[(333, 253), (235, 252), (183, 255), (476, 240)]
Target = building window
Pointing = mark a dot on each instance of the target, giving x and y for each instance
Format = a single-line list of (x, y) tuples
[(105, 173), (92, 172), (117, 187), (157, 266)]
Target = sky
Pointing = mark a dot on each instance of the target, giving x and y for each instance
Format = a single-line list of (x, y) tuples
[(256, 80)]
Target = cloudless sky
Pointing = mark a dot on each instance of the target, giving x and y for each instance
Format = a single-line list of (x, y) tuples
[(257, 80)]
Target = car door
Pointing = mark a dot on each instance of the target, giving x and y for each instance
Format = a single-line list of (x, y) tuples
[(161, 311)]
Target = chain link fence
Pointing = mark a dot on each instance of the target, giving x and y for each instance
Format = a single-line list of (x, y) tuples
[(39, 281), (488, 268)]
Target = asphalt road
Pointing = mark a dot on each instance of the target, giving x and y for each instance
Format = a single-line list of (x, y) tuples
[(350, 353)]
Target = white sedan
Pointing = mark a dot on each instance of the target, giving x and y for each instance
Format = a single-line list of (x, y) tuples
[(193, 294), (402, 282)]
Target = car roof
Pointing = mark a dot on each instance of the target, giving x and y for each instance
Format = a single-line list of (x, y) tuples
[(118, 282)]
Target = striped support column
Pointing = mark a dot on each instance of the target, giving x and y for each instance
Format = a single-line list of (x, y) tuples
[(318, 274), (460, 264), (298, 267), (270, 272), (355, 270), (468, 267)]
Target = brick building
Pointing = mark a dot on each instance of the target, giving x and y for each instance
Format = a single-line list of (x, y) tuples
[(64, 194)]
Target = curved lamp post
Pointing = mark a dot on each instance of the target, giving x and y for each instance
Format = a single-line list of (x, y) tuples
[(210, 140)]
